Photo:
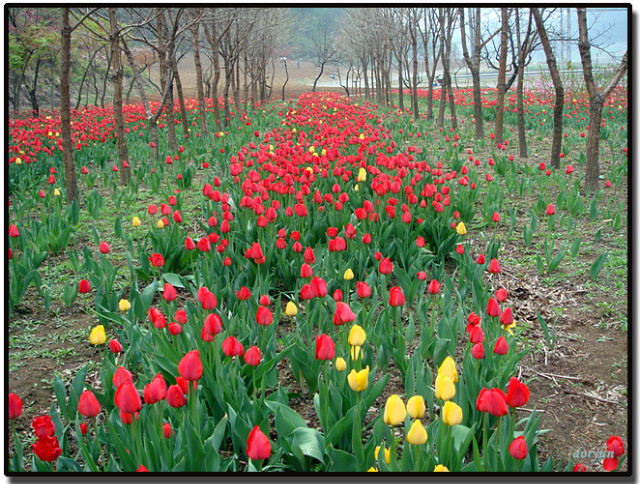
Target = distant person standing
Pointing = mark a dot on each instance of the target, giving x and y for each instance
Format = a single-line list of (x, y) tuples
[(298, 64)]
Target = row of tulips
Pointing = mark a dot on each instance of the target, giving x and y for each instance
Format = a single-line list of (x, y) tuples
[(319, 254)]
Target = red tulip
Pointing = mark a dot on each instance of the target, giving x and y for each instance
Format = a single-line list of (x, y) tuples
[(501, 295), (207, 298), (492, 401), (167, 430), (422, 276), (501, 347), (434, 287), (476, 334), (180, 316), (363, 290), (204, 245), (84, 286), (169, 293), (325, 348), (493, 308), (610, 464), (152, 210), (47, 448), (258, 445), (337, 295), (396, 297), (496, 217), (15, 406), (43, 426), (175, 396), (480, 260), (507, 317), (309, 256), (264, 317), (518, 448), (318, 287), (386, 266), (517, 393), (189, 244), (177, 218), (156, 260), (343, 314), (477, 351), (104, 248), (306, 293), (550, 210), (142, 469), (243, 294), (174, 329), (494, 267), (120, 376), (155, 391), (460, 249), (232, 347), (88, 405), (252, 356), (579, 468), (127, 398), (13, 231), (615, 445), (190, 366)]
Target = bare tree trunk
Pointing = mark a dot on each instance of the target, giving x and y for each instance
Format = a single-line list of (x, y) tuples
[(499, 127), (202, 106), (123, 154), (596, 101), (35, 108), (183, 109), (522, 137), (400, 86), (556, 144), (474, 68), (213, 42), (65, 109), (106, 78), (414, 52), (286, 80)]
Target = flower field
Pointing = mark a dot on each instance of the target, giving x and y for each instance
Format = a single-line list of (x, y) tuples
[(325, 285)]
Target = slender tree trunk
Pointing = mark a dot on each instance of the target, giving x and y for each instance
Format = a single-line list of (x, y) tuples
[(414, 51), (183, 109), (286, 80), (202, 106), (35, 107), (556, 144), (107, 74), (65, 109), (317, 78), (213, 42), (499, 128), (123, 154), (84, 76), (522, 137), (400, 86), (597, 97)]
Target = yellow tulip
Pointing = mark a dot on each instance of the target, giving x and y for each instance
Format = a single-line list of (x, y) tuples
[(136, 222), (448, 369), (312, 149), (357, 188), (394, 411), (372, 469), (56, 193), (324, 152), (387, 454), (361, 136), (357, 336), (416, 407), (348, 275), (124, 305), (356, 353), (291, 309), (440, 468), (359, 381), (451, 414), (18, 161), (160, 224), (362, 175), (97, 336), (445, 389), (341, 365), (417, 434), (461, 229)]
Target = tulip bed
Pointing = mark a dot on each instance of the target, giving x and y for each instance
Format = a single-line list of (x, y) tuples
[(307, 253)]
